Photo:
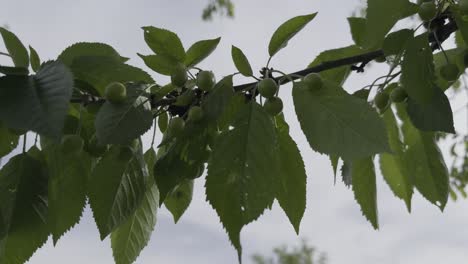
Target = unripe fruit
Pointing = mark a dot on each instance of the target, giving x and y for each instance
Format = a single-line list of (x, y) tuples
[(179, 77), (185, 98), (206, 80), (313, 81), (273, 106), (398, 95), (449, 72), (427, 11), (463, 6), (267, 87), (116, 92), (72, 143), (195, 113), (176, 126), (125, 153), (196, 173), (381, 100), (95, 149), (154, 89)]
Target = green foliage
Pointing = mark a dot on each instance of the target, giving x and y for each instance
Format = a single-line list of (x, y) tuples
[(116, 188), (337, 123), (200, 50), (16, 49), (228, 128), (242, 172), (364, 188), (179, 199), (287, 31), (241, 61), (304, 254), (132, 236)]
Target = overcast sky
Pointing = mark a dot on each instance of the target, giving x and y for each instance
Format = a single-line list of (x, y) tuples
[(333, 221)]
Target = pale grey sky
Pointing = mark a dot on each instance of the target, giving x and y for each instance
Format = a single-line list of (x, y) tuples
[(333, 221)]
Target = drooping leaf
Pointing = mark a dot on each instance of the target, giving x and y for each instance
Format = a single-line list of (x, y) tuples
[(89, 49), (129, 239), (164, 42), (243, 171), (358, 29), (200, 50), (364, 188), (35, 60), (291, 191), (462, 24), (334, 162), (162, 64), (425, 163), (436, 115), (179, 199), (121, 123), (340, 74), (337, 123), (99, 71), (393, 165), (116, 189), (346, 174), (16, 49), (38, 103), (241, 61), (23, 209), (8, 141), (381, 16), (395, 42), (68, 177), (216, 102), (418, 69), (286, 31)]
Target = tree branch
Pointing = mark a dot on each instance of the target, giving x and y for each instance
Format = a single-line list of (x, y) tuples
[(443, 33)]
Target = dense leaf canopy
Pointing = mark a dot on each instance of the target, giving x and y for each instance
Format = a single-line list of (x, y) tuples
[(89, 109)]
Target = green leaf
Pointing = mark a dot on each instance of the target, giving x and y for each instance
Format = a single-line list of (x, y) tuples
[(291, 190), (87, 49), (68, 177), (179, 199), (38, 103), (116, 189), (381, 16), (334, 162), (121, 123), (286, 31), (243, 171), (129, 239), (337, 123), (358, 29), (462, 23), (434, 116), (364, 188), (164, 42), (23, 209), (13, 70), (8, 141), (241, 61), (16, 49), (162, 64), (200, 50), (99, 71), (35, 60), (393, 165), (425, 163), (340, 74), (216, 102), (395, 42), (418, 69)]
